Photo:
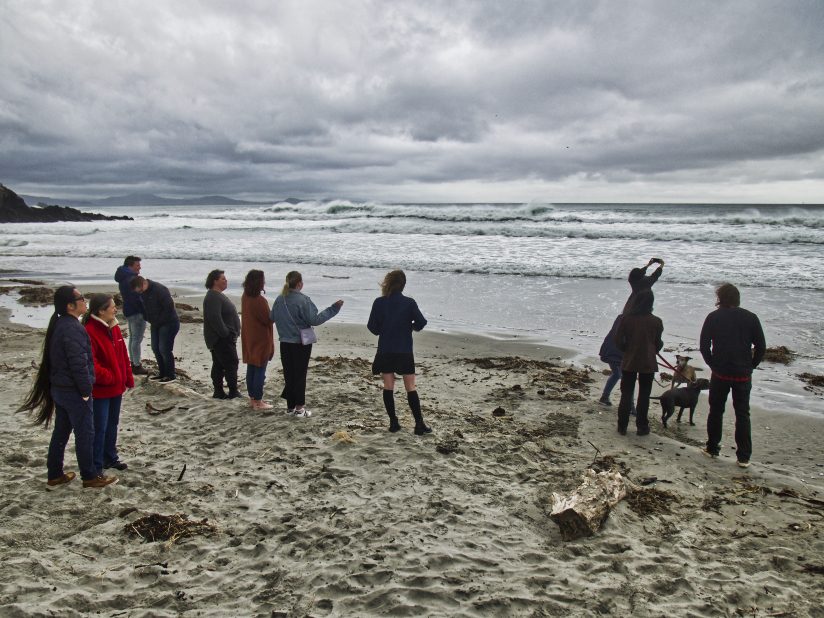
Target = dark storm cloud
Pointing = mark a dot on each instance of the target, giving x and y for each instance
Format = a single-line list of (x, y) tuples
[(414, 100)]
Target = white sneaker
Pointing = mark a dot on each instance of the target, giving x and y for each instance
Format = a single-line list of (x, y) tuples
[(302, 413)]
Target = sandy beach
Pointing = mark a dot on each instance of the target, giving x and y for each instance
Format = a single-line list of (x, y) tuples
[(334, 516)]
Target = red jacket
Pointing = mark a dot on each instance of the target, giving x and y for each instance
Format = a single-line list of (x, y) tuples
[(112, 369)]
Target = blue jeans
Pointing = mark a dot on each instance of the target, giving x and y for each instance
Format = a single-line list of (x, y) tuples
[(163, 344), (106, 418), (71, 413), (255, 377), (137, 328), (612, 380)]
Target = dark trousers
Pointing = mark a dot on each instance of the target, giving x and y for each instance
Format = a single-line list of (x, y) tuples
[(225, 363), (295, 360), (628, 379), (255, 378), (106, 420), (163, 345), (719, 390), (71, 413)]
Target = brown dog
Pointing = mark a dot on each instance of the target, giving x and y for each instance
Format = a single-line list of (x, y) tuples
[(688, 371)]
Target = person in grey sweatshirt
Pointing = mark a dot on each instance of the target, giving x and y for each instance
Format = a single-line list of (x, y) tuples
[(291, 312), (221, 329)]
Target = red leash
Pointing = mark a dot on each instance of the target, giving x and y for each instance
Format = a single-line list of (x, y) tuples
[(671, 368)]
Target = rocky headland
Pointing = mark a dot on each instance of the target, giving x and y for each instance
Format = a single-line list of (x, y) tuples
[(14, 210)]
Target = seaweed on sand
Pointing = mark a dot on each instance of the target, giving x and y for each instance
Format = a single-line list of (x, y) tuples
[(782, 354), (651, 500), (156, 527), (607, 463), (509, 363)]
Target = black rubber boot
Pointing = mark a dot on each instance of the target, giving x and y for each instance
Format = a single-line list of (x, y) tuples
[(389, 404), (415, 405), (234, 394), (220, 394)]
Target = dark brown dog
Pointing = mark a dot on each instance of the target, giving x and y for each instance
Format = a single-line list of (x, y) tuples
[(683, 398)]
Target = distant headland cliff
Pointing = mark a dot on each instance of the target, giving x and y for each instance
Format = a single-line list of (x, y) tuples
[(14, 210)]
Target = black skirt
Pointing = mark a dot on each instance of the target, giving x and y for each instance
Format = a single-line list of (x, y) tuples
[(401, 364)]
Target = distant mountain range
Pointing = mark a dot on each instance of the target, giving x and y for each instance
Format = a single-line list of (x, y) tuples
[(147, 199)]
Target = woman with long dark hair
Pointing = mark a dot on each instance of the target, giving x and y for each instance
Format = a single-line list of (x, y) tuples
[(638, 336), (257, 339), (63, 390), (113, 375), (393, 318), (292, 313)]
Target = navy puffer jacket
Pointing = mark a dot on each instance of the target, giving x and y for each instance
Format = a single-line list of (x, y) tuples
[(72, 362)]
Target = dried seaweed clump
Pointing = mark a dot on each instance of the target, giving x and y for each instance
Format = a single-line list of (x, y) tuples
[(510, 363), (156, 527), (607, 463), (811, 379), (447, 446), (557, 424), (782, 354), (36, 296), (651, 500), (340, 361)]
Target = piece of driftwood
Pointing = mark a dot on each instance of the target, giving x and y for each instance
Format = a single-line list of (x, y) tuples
[(155, 411), (581, 512)]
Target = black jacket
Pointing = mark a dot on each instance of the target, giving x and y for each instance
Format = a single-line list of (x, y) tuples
[(644, 283), (728, 337), (70, 353), (160, 308), (393, 319)]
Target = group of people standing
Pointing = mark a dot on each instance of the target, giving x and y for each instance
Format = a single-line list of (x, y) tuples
[(86, 366), (732, 344)]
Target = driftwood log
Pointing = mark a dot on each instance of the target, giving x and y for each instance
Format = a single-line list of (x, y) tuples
[(581, 512)]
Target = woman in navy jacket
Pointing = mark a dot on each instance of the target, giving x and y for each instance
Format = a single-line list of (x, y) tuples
[(393, 318), (63, 389)]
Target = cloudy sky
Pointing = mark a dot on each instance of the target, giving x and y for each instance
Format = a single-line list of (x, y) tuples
[(415, 101)]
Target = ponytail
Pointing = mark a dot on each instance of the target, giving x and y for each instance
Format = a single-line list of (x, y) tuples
[(39, 403), (292, 280)]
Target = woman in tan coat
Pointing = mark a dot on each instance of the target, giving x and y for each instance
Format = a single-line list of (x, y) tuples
[(257, 337), (638, 336)]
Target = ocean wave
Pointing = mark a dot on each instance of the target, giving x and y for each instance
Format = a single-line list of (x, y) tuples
[(690, 217), (8, 242)]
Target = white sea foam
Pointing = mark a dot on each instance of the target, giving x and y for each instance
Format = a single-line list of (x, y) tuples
[(763, 246)]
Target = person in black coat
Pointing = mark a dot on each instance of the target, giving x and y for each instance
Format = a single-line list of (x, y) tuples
[(639, 280), (63, 390), (732, 344), (162, 316), (393, 318)]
